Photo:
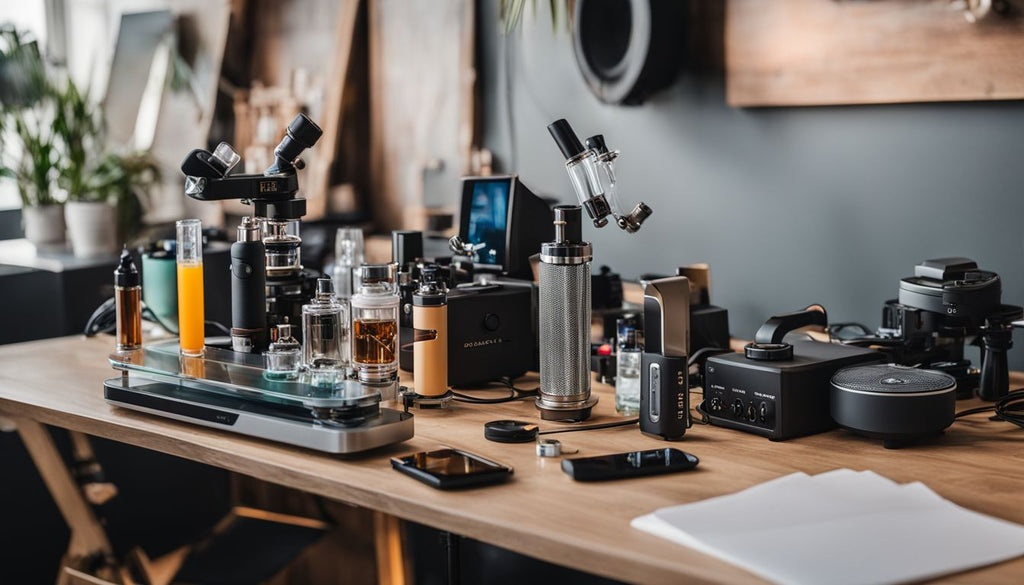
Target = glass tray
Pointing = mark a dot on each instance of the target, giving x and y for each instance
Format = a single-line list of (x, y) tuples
[(240, 374)]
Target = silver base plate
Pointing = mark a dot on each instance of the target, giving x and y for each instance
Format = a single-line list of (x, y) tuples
[(284, 424)]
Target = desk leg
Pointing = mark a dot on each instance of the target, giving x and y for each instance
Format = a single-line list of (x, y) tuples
[(389, 541), (88, 539)]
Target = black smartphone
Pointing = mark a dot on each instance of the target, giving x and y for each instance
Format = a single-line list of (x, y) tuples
[(451, 468), (632, 464)]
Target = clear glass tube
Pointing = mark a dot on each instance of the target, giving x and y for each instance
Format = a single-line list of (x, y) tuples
[(191, 317), (583, 175), (348, 257), (606, 174)]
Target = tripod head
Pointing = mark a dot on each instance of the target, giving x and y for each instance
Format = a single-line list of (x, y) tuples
[(273, 194)]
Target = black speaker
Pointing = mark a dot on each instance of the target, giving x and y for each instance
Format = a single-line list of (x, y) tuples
[(897, 404)]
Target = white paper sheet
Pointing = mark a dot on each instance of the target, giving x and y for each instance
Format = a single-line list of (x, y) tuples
[(837, 528)]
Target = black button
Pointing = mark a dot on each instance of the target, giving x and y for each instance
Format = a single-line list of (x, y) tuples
[(491, 322), (243, 270)]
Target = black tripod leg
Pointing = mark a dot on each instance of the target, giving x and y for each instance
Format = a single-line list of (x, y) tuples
[(451, 543)]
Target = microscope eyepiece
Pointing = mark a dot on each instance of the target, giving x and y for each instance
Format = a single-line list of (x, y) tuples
[(301, 134)]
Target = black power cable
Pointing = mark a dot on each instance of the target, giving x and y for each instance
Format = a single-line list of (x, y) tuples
[(1009, 408)]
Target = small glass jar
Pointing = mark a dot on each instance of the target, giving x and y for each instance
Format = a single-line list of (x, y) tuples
[(284, 356), (325, 330), (375, 326), (282, 241), (627, 370)]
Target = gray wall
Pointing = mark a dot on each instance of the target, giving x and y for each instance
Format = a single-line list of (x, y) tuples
[(790, 206)]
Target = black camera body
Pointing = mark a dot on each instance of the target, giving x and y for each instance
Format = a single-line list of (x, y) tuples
[(947, 303)]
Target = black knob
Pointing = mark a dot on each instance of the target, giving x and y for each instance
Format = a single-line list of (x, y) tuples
[(737, 409), (491, 322)]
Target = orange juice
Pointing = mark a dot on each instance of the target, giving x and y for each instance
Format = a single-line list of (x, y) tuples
[(190, 308)]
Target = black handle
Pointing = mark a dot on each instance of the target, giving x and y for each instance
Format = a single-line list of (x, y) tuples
[(995, 370), (778, 326)]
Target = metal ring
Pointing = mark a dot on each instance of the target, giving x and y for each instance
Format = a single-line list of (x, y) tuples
[(549, 447)]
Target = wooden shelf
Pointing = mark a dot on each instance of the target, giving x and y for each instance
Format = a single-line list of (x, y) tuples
[(827, 52)]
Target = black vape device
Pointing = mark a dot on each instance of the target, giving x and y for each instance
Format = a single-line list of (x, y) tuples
[(664, 383), (248, 290), (779, 387)]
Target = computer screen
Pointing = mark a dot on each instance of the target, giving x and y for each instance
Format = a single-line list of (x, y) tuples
[(488, 219)]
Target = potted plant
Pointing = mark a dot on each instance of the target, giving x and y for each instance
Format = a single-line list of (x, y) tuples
[(126, 179), (90, 213), (26, 105)]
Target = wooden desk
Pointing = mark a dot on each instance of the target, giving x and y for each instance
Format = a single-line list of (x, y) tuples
[(542, 512)]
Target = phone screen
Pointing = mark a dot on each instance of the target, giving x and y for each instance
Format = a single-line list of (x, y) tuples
[(449, 462)]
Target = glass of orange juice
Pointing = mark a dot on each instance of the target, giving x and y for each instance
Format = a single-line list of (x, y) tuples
[(191, 320)]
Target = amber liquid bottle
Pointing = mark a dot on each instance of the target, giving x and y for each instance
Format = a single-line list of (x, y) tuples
[(128, 303), (375, 328)]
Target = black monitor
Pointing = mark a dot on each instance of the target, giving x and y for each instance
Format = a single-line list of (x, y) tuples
[(505, 216)]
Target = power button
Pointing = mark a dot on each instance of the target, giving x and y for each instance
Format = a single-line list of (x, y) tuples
[(491, 322)]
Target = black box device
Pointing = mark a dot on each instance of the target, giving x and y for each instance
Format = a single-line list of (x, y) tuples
[(779, 386)]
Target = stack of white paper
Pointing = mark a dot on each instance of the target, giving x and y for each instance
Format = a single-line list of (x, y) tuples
[(839, 527)]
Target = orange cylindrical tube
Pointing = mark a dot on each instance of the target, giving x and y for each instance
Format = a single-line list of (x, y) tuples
[(430, 356), (191, 319)]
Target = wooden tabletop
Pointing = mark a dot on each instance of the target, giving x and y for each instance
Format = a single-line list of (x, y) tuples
[(542, 513)]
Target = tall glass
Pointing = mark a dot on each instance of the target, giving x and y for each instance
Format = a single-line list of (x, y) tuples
[(191, 317), (348, 257)]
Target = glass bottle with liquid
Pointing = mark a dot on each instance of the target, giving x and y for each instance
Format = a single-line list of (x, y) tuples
[(128, 303), (627, 371), (284, 356), (375, 326), (191, 319), (325, 330)]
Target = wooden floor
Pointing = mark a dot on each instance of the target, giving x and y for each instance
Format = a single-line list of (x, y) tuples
[(542, 512)]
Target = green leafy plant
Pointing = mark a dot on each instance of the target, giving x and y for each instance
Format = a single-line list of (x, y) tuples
[(510, 12), (127, 179), (78, 126), (26, 103)]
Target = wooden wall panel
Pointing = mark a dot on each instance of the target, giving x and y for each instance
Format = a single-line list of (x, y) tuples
[(422, 81), (821, 52)]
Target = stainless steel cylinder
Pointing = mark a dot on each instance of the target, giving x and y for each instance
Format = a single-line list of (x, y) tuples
[(565, 321)]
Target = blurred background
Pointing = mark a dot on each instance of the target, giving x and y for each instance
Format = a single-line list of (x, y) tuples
[(810, 151)]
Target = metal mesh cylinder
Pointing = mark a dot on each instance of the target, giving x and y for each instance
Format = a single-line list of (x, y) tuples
[(564, 334)]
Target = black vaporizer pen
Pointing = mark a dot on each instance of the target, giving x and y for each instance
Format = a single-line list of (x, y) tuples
[(248, 290), (664, 382)]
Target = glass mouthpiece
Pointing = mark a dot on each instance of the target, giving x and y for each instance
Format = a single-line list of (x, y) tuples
[(225, 157)]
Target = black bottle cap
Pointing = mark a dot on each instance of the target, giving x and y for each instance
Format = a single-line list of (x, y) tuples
[(126, 275), (565, 138), (596, 142), (406, 247)]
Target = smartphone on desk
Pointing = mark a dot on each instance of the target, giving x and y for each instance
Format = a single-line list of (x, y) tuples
[(632, 464), (451, 468)]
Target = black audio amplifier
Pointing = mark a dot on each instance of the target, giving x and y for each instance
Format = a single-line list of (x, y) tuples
[(778, 399)]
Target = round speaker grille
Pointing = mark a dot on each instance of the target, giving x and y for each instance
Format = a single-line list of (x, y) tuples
[(892, 379)]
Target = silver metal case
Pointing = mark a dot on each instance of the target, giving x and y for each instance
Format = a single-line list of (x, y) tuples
[(664, 381)]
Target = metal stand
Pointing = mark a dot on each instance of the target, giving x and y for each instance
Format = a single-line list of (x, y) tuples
[(453, 569)]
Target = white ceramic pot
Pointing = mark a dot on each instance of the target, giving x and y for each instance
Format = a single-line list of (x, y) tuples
[(44, 226), (92, 228)]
